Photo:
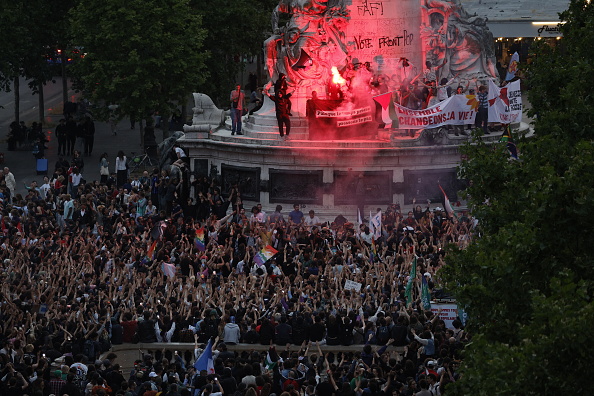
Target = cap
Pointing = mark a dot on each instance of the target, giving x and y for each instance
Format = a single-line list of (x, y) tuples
[(152, 374)]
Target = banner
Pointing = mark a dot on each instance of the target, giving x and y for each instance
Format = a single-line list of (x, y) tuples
[(352, 285), (354, 121), (455, 110), (342, 113), (505, 104), (449, 312)]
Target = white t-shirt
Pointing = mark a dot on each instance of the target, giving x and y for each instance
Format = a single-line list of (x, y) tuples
[(179, 152), (75, 179), (44, 189), (311, 221)]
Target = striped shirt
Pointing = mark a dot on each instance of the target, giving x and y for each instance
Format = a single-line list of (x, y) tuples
[(483, 101)]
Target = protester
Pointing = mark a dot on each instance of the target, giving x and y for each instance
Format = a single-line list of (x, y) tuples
[(105, 267)]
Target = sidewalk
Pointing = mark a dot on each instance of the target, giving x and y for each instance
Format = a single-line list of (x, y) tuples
[(23, 164)]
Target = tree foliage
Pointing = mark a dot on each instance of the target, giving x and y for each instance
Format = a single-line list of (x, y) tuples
[(236, 31), (29, 30), (143, 55), (528, 281)]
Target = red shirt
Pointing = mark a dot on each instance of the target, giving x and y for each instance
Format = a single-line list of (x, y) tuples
[(129, 330)]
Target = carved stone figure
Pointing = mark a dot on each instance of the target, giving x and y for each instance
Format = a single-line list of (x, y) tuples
[(165, 148), (206, 115), (313, 41), (451, 34)]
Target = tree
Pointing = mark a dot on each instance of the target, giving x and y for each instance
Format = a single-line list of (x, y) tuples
[(236, 31), (143, 55), (30, 31), (22, 51), (527, 284)]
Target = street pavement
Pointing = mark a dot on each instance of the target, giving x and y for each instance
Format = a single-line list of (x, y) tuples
[(22, 163)]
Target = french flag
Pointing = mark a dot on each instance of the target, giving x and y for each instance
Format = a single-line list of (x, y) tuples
[(204, 361)]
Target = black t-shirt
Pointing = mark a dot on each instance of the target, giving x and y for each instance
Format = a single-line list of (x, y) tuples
[(324, 388)]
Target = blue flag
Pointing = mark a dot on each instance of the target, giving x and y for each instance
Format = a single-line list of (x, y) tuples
[(204, 361)]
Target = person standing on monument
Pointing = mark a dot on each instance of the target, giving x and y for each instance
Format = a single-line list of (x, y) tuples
[(237, 105), (282, 106)]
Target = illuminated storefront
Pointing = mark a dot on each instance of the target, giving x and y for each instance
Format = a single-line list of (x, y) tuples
[(516, 24)]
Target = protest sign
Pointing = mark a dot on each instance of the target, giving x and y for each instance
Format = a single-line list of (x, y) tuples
[(352, 285), (449, 312)]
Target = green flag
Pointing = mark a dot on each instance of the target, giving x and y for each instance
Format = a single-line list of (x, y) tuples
[(409, 285), (425, 294)]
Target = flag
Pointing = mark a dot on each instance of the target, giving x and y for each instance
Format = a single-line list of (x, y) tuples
[(505, 103), (157, 231), (272, 358), (512, 68), (425, 294), (168, 269), (151, 251), (376, 224), (409, 285), (199, 239), (384, 101), (446, 203), (359, 219), (204, 361), (284, 304), (264, 255), (509, 142)]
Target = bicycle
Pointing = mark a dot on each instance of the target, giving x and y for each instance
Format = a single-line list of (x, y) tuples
[(143, 160)]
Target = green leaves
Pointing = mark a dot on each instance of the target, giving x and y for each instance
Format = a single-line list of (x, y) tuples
[(146, 56), (527, 284), (236, 32)]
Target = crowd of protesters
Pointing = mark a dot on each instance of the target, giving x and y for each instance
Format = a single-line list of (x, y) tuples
[(108, 264)]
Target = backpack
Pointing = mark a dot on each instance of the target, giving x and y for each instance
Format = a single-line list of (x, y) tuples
[(211, 328), (186, 335), (383, 334), (89, 350)]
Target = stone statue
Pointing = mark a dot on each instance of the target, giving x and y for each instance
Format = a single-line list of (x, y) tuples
[(165, 148), (313, 41), (206, 115), (451, 34)]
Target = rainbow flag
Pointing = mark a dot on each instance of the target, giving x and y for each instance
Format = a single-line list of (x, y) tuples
[(168, 269), (151, 251), (199, 240), (264, 255)]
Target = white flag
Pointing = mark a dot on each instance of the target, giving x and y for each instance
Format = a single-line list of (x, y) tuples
[(376, 224)]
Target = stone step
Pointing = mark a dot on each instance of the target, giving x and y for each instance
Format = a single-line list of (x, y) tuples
[(298, 142), (266, 124), (297, 134)]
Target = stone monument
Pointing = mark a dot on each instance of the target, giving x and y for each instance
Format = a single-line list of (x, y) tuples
[(339, 56)]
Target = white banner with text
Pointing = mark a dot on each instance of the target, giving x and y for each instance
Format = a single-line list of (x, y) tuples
[(455, 110)]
